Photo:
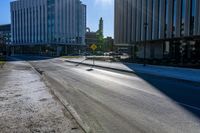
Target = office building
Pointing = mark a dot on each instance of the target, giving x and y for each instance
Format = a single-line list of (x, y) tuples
[(2, 46), (91, 38), (5, 33), (59, 23), (108, 44), (164, 28), (95, 37)]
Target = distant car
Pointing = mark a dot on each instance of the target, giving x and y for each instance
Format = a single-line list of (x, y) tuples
[(106, 54), (119, 53), (99, 53), (111, 54), (125, 54)]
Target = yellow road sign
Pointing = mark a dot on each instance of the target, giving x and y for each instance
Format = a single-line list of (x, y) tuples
[(93, 47)]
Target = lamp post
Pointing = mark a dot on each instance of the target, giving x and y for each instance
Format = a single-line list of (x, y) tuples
[(145, 32)]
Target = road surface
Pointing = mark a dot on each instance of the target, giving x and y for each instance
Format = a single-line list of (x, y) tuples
[(113, 102)]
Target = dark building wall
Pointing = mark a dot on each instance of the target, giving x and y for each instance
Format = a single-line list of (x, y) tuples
[(168, 21), (2, 46), (5, 32), (108, 44), (162, 16)]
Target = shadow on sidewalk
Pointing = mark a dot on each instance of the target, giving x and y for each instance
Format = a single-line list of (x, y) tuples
[(185, 94)]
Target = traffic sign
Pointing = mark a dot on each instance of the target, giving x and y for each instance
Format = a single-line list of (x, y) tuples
[(93, 47)]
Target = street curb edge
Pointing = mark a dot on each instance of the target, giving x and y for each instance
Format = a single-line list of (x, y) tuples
[(69, 108)]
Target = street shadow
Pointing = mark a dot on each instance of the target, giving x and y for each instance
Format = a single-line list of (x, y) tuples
[(90, 69), (78, 64), (185, 93)]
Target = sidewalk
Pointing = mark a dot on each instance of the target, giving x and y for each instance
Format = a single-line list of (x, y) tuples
[(27, 105), (170, 72)]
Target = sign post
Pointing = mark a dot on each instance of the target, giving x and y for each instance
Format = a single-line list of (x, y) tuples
[(93, 47)]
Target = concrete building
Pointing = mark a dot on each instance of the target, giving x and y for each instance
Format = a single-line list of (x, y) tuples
[(57, 23), (91, 38), (5, 32), (108, 44), (167, 28), (95, 37), (2, 43), (2, 47)]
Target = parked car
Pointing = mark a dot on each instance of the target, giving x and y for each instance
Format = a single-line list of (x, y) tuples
[(99, 53), (112, 54)]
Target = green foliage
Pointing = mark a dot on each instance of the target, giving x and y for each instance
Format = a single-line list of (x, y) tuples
[(2, 61), (70, 57)]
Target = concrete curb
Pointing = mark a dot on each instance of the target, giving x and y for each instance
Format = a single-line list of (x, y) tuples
[(72, 111), (69, 108), (86, 64), (131, 72)]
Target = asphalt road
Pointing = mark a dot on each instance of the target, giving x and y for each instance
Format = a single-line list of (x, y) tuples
[(113, 102)]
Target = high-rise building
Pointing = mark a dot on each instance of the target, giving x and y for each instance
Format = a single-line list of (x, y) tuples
[(51, 22), (166, 28)]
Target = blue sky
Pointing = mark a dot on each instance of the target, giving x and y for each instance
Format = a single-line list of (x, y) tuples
[(95, 10)]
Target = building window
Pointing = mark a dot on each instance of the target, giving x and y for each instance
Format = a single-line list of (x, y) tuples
[(192, 15), (158, 10), (166, 17), (44, 21), (174, 17), (30, 37), (155, 21), (51, 19), (153, 18), (183, 10)]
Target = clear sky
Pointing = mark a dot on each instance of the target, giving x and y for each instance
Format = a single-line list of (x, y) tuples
[(95, 10)]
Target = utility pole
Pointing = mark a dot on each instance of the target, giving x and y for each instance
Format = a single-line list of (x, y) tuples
[(145, 32)]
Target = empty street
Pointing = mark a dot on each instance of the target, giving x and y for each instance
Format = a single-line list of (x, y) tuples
[(113, 102)]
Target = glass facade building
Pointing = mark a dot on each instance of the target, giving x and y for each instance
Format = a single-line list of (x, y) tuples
[(48, 22), (170, 24)]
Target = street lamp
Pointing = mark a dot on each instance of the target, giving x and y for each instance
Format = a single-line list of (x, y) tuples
[(145, 32)]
